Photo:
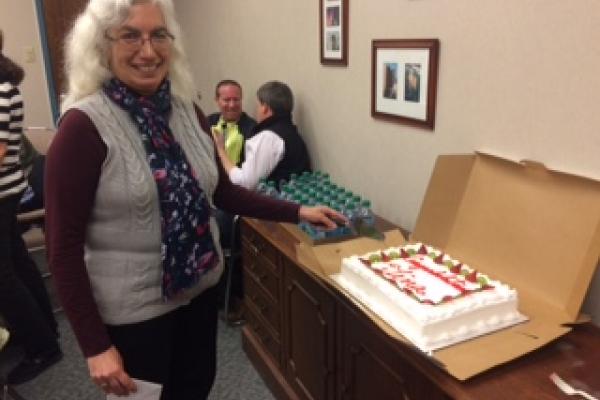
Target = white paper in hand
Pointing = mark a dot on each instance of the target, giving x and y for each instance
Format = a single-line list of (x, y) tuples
[(145, 391)]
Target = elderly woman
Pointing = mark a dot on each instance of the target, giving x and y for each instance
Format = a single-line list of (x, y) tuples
[(131, 179)]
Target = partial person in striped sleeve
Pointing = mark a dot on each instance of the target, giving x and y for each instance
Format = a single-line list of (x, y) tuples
[(24, 301)]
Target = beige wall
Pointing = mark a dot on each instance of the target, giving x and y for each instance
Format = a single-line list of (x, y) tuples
[(19, 22), (517, 78)]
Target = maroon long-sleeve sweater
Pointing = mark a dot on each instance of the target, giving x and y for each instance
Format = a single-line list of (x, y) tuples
[(73, 167)]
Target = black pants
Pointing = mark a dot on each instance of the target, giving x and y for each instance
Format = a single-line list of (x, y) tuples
[(24, 301), (177, 350)]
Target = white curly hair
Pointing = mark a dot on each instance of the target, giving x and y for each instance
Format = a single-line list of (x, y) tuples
[(87, 49)]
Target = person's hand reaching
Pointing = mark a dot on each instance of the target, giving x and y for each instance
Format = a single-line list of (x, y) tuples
[(218, 137), (323, 217)]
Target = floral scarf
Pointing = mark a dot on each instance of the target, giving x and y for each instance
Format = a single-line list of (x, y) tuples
[(187, 247)]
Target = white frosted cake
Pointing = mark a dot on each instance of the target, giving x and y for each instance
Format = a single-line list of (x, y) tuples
[(430, 298)]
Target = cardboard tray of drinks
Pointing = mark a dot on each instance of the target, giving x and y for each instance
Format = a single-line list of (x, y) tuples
[(533, 228)]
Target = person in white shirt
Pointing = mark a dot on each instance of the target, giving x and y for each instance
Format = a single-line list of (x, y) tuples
[(276, 149)]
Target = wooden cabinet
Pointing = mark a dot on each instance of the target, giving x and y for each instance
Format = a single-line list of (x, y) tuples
[(309, 335), (290, 317), (262, 286), (370, 368), (309, 341)]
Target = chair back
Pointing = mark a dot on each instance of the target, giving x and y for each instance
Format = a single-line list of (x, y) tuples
[(34, 238)]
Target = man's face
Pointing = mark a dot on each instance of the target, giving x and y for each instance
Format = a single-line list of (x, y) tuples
[(229, 101)]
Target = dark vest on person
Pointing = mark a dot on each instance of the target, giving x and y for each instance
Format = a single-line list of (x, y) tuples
[(246, 125), (295, 156)]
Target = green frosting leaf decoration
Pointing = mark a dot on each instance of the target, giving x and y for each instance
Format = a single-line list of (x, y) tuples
[(482, 280), (448, 264), (393, 255), (375, 257), (412, 252)]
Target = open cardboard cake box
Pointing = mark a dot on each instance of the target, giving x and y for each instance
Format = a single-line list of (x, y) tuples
[(535, 229)]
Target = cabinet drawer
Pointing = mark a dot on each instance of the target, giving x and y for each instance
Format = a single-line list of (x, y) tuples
[(262, 334), (263, 304), (262, 272), (257, 246)]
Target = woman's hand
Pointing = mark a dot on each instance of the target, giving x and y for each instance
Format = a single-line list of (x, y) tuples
[(219, 140), (106, 370), (322, 216), (218, 137)]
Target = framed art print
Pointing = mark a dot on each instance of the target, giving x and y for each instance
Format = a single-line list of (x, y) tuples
[(334, 31), (404, 81)]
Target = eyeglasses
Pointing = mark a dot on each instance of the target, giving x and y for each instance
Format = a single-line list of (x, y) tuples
[(134, 40)]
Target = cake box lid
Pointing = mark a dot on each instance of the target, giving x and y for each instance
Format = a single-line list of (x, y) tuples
[(533, 228)]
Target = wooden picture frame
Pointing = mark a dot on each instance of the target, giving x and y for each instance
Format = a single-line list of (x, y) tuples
[(404, 81), (333, 16)]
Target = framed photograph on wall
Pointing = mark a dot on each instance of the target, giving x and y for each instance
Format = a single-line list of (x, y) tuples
[(404, 80), (334, 31)]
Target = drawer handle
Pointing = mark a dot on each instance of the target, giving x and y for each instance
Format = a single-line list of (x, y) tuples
[(262, 336), (262, 307), (257, 328), (262, 277), (265, 339), (251, 266), (256, 248)]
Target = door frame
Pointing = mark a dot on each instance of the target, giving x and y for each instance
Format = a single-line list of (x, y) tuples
[(54, 106)]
